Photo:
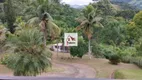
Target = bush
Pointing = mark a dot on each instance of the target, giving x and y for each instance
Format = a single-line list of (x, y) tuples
[(114, 59), (126, 51), (97, 50), (126, 59), (27, 56), (139, 50), (135, 60), (80, 50), (108, 50)]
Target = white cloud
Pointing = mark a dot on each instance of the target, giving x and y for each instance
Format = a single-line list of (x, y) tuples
[(77, 2)]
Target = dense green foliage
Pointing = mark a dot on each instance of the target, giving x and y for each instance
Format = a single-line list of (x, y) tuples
[(80, 50), (105, 8)]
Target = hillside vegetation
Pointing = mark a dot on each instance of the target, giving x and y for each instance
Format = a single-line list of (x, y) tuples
[(136, 3)]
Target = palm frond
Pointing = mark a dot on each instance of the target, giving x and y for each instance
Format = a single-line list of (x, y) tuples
[(100, 25), (96, 19), (80, 20), (83, 23), (54, 30), (33, 21)]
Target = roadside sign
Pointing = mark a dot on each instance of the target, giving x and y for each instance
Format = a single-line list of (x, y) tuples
[(70, 39)]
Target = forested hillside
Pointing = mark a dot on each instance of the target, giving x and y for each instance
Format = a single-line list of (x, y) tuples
[(135, 3)]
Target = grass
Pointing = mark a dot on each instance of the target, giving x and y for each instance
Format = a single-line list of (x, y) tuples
[(128, 74), (102, 66), (55, 69)]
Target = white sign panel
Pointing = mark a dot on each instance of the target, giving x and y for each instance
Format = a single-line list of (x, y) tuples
[(70, 39)]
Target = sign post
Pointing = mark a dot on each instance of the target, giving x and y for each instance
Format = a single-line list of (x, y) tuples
[(70, 39)]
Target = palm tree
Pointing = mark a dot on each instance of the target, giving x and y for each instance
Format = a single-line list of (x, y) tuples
[(37, 7), (27, 56), (40, 7), (87, 23), (53, 30)]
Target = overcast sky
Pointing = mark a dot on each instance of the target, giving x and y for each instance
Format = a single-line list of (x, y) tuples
[(77, 2)]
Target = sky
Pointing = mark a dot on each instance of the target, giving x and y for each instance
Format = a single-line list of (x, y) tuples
[(77, 2)]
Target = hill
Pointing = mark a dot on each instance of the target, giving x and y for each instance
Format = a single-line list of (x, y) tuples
[(135, 3), (78, 6)]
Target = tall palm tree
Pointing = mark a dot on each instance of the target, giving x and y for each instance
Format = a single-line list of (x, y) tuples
[(38, 7), (52, 29), (41, 7), (88, 21)]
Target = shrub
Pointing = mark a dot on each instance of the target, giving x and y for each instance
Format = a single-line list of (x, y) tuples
[(126, 59), (126, 51), (108, 50), (114, 59), (137, 61), (27, 56), (97, 50), (80, 50), (139, 50)]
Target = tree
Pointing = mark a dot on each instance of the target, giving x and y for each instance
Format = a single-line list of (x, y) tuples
[(127, 14), (134, 28), (104, 7), (137, 19), (87, 23), (114, 31), (52, 29), (27, 57), (9, 15)]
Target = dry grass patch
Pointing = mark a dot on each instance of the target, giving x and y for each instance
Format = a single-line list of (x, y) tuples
[(102, 66)]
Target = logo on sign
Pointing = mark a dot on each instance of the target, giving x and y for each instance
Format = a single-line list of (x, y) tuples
[(70, 39)]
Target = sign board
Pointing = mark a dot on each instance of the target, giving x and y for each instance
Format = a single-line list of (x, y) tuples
[(70, 39)]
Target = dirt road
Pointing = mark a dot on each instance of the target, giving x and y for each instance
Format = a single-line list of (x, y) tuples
[(72, 70)]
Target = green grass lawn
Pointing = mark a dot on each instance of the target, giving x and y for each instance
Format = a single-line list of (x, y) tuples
[(128, 74)]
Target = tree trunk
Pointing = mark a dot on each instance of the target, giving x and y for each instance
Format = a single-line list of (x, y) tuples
[(57, 49), (89, 48), (44, 40)]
